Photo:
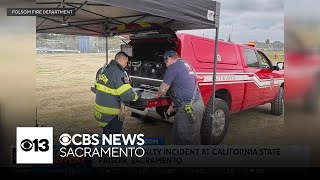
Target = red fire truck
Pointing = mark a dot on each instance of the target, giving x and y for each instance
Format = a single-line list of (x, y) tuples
[(245, 77)]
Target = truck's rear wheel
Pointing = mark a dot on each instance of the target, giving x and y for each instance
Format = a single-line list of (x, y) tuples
[(214, 129), (277, 104)]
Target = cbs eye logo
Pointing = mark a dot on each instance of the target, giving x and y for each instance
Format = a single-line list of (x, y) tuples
[(65, 139), (38, 145)]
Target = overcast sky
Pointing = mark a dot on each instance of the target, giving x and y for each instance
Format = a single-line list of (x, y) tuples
[(303, 9), (248, 20)]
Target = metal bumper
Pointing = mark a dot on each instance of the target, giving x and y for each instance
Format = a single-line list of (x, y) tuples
[(142, 113), (145, 112)]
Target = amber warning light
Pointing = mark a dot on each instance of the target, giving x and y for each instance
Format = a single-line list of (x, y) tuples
[(251, 43)]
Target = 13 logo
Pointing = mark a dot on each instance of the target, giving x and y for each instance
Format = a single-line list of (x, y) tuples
[(34, 145), (37, 145)]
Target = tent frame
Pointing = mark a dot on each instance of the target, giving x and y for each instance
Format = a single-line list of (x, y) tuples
[(115, 21)]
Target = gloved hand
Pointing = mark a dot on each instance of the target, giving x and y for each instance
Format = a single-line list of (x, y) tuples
[(139, 94), (163, 112), (170, 110)]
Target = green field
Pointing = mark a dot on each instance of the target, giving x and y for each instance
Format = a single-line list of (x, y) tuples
[(275, 58)]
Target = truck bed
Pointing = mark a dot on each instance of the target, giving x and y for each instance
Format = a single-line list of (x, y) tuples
[(148, 98)]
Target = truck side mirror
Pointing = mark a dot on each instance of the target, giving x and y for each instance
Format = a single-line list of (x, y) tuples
[(280, 65)]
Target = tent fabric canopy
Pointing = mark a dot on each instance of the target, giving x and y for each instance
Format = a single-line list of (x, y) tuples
[(96, 17)]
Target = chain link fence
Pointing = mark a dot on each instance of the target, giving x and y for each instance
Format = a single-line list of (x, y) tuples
[(58, 43)]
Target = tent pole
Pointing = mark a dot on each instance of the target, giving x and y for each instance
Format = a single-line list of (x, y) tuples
[(214, 71), (107, 51)]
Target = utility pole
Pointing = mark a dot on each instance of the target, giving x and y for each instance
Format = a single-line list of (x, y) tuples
[(229, 38)]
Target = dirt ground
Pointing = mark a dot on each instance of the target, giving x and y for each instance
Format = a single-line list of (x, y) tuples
[(66, 103)]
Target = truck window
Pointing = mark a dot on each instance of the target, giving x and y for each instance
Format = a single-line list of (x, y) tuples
[(263, 60), (204, 51), (251, 58)]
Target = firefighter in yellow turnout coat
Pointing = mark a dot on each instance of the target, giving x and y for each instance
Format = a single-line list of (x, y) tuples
[(112, 88)]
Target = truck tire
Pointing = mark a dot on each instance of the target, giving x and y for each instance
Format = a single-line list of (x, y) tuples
[(213, 131), (277, 103)]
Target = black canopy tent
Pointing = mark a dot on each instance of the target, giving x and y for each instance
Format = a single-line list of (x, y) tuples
[(94, 16), (97, 17)]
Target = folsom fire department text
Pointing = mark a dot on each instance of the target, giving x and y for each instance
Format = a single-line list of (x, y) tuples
[(42, 12)]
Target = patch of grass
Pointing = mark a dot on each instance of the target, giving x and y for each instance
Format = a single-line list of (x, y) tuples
[(275, 56)]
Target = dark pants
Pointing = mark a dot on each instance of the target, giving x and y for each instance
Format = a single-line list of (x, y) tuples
[(113, 127), (184, 130)]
